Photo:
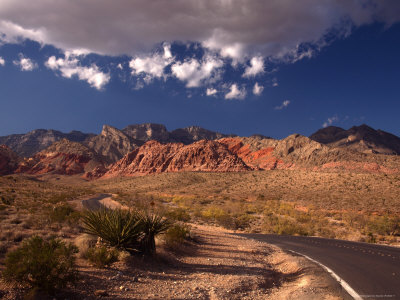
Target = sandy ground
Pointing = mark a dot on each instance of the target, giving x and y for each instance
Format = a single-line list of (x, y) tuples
[(216, 265)]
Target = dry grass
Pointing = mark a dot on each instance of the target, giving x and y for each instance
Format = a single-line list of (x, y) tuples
[(357, 206)]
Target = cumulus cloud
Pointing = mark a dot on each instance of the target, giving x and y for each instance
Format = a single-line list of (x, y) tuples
[(235, 29), (275, 82), (330, 121), (257, 89), (283, 105), (25, 64), (2, 61), (211, 91), (235, 93), (256, 67), (195, 72), (69, 67), (152, 66)]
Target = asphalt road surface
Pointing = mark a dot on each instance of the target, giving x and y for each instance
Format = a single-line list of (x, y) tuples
[(373, 271)]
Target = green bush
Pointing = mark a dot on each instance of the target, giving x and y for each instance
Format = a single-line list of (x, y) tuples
[(44, 265), (101, 256), (178, 214), (176, 235), (118, 228), (63, 213), (129, 230)]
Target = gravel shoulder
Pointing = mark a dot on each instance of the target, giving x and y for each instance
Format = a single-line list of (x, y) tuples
[(217, 265)]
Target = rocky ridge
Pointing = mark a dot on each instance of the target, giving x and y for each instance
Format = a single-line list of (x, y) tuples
[(154, 157), (359, 138), (126, 153), (63, 157), (26, 145)]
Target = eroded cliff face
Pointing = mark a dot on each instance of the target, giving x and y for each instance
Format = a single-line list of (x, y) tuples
[(112, 144), (28, 144), (154, 157), (63, 157)]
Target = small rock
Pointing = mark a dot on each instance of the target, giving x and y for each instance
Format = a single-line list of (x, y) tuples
[(101, 293)]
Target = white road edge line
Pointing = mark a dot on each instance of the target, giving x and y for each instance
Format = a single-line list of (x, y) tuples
[(343, 283)]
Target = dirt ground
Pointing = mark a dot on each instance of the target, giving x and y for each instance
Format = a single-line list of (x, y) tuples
[(216, 265)]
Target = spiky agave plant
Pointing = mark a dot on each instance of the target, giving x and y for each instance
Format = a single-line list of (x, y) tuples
[(152, 225), (118, 228)]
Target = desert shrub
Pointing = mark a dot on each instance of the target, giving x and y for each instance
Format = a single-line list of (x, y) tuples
[(176, 235), (118, 228), (384, 225), (44, 265), (101, 256), (84, 242), (283, 225), (129, 230), (63, 213), (178, 214), (242, 221), (7, 199)]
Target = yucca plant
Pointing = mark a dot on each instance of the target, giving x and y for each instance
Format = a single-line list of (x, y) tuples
[(118, 228), (152, 225)]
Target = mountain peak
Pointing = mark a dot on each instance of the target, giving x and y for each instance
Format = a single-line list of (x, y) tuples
[(362, 138)]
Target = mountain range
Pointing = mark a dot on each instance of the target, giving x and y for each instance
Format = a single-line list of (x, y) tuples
[(151, 148)]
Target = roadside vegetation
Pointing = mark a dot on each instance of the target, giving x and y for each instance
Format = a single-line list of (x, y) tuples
[(44, 213)]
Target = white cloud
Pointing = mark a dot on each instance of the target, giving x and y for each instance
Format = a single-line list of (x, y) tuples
[(25, 64), (330, 121), (257, 89), (256, 67), (275, 82), (211, 91), (2, 61), (70, 67), (195, 72), (152, 66), (235, 29), (283, 105), (235, 92)]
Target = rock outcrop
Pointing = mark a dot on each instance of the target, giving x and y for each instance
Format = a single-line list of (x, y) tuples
[(193, 134), (147, 132), (9, 160), (112, 144), (26, 145), (299, 152), (359, 138), (154, 157), (63, 157)]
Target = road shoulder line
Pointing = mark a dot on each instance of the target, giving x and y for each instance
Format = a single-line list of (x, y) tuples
[(343, 283)]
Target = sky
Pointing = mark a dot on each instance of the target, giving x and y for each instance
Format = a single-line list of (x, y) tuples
[(245, 67)]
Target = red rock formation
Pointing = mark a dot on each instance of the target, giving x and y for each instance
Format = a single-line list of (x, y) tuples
[(63, 157), (153, 157), (258, 159), (8, 160)]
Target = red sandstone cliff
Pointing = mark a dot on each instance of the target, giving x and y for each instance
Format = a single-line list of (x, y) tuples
[(153, 157)]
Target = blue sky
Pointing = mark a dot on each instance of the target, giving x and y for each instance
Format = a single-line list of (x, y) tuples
[(239, 67)]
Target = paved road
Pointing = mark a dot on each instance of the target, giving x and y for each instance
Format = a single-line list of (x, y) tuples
[(373, 271)]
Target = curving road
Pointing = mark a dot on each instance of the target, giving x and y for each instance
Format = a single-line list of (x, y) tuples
[(373, 271)]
